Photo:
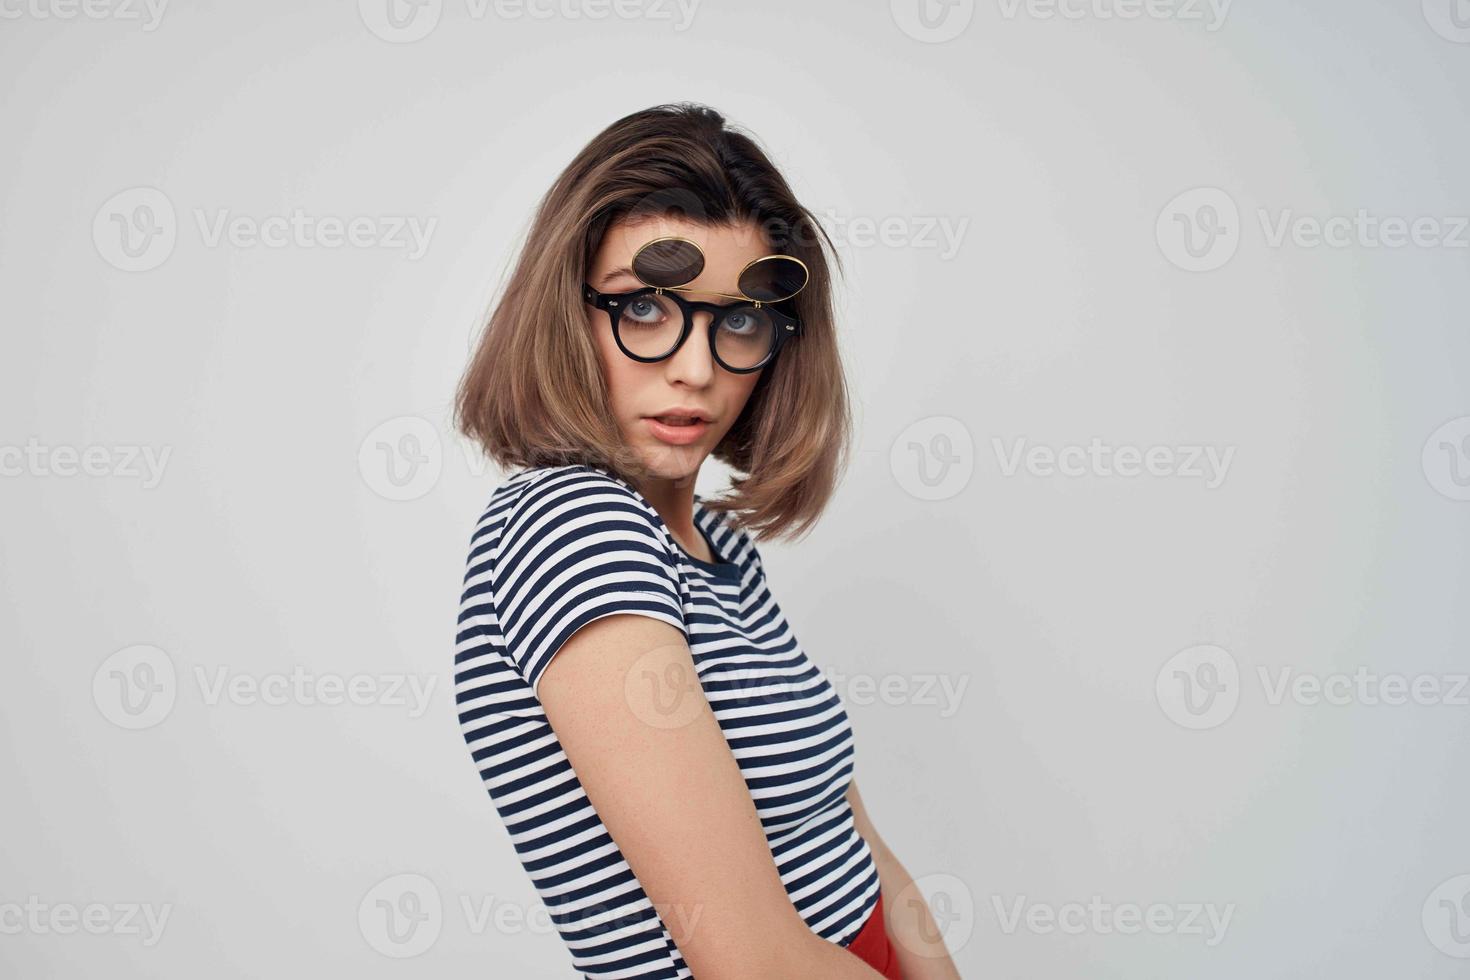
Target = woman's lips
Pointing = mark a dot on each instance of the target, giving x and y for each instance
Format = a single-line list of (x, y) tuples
[(677, 435)]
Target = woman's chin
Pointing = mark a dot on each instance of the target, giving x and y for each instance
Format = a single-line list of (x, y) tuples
[(676, 463)]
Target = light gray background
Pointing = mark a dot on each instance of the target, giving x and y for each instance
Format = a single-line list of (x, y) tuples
[(1055, 146)]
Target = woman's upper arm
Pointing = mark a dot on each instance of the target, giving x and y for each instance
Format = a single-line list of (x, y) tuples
[(577, 546), (626, 705)]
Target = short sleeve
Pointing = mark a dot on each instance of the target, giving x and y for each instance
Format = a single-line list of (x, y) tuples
[(576, 546)]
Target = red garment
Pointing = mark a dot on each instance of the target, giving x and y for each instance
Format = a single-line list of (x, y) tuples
[(873, 946)]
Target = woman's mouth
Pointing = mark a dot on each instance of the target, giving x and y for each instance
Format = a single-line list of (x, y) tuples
[(676, 430)]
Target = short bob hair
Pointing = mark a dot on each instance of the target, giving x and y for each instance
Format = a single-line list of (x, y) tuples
[(534, 394)]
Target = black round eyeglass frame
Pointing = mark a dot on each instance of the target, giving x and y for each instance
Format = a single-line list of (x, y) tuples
[(614, 304)]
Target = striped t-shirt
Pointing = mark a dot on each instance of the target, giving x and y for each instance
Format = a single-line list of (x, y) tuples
[(561, 546)]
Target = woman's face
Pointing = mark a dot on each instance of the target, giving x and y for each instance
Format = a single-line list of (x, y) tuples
[(691, 379)]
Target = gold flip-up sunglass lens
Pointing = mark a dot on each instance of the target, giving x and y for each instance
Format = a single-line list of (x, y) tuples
[(772, 278), (670, 263)]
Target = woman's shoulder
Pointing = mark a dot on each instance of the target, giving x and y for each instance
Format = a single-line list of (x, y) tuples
[(541, 495)]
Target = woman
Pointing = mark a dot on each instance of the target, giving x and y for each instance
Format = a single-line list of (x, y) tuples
[(675, 774)]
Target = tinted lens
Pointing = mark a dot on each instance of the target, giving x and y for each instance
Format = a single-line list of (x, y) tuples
[(745, 336), (669, 262), (773, 278), (649, 325)]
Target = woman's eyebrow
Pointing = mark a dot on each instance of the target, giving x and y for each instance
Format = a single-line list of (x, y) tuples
[(616, 274)]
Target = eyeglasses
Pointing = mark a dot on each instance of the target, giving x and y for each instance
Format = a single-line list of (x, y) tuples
[(651, 323)]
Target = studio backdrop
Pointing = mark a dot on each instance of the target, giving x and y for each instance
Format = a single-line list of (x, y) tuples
[(1147, 584)]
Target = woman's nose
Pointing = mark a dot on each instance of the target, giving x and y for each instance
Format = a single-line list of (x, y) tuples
[(693, 362)]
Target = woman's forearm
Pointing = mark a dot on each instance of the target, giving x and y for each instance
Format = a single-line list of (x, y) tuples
[(832, 962), (917, 942)]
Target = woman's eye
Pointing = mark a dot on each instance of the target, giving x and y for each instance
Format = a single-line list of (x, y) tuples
[(644, 311), (740, 322)]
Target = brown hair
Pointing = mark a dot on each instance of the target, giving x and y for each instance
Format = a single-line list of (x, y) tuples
[(534, 393)]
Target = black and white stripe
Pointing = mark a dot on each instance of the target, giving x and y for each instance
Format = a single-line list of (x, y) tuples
[(558, 547)]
